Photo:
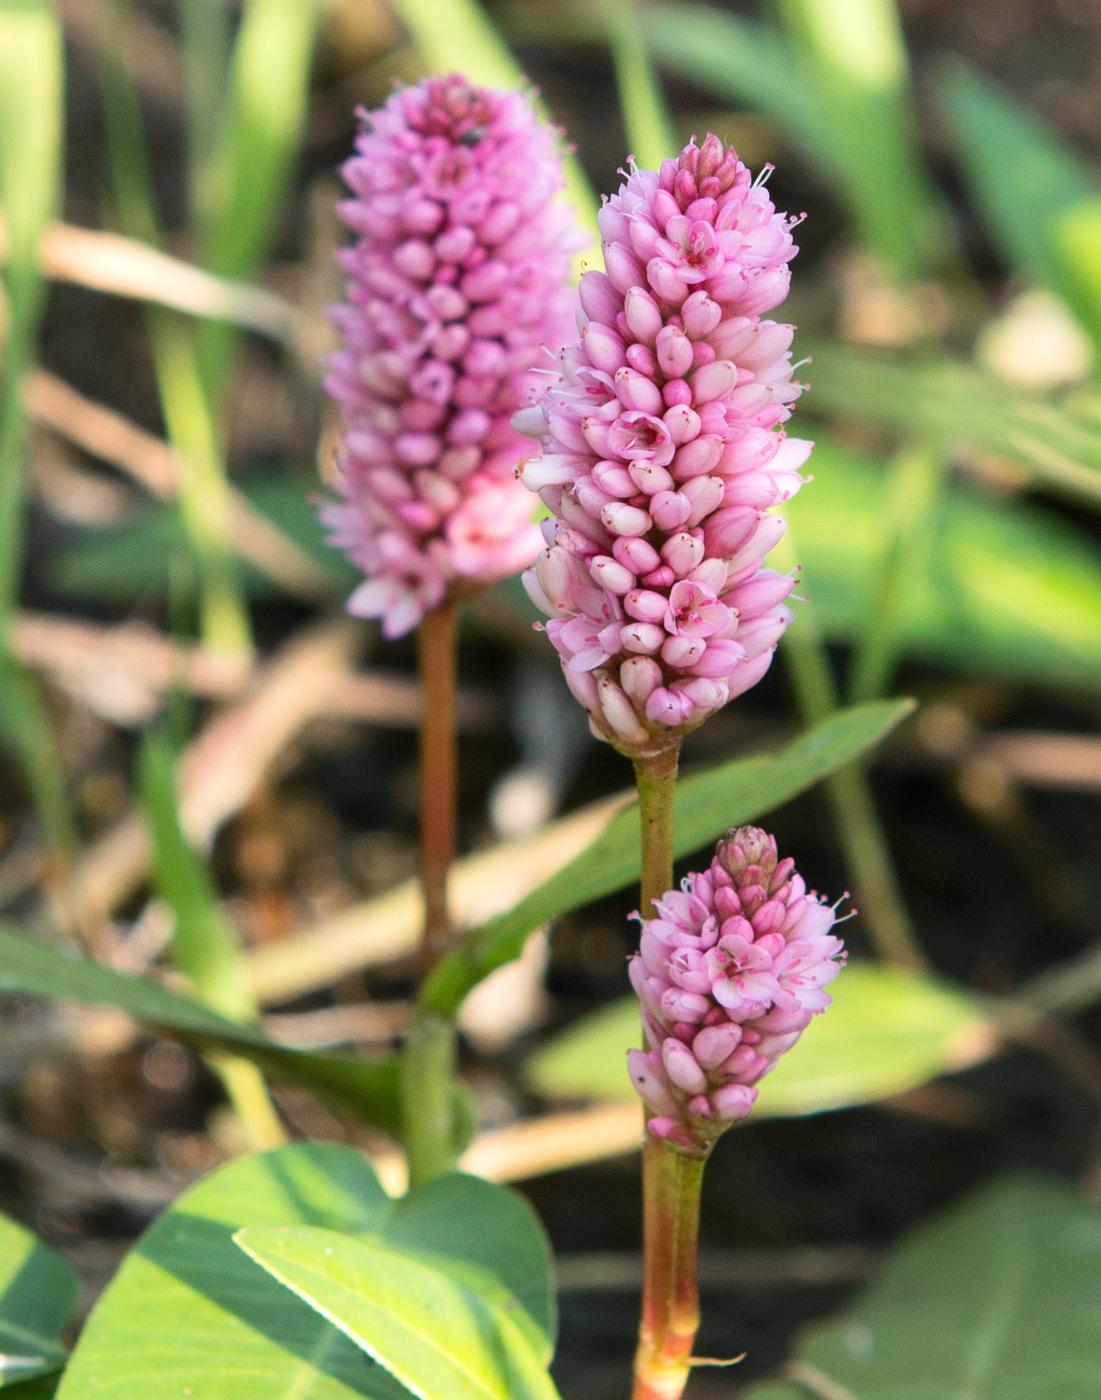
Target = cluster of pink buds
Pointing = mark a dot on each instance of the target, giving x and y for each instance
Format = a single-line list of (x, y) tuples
[(729, 972), (662, 456), (459, 291)]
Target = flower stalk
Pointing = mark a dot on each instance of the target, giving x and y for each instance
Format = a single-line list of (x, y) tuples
[(671, 1181), (437, 637)]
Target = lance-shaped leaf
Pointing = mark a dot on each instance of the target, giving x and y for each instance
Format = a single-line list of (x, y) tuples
[(887, 1031), (959, 406), (998, 1299), (38, 1291), (366, 1089), (706, 804), (1006, 588)]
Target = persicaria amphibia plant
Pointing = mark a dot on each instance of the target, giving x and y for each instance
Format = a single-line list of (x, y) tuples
[(730, 972), (458, 293), (662, 455)]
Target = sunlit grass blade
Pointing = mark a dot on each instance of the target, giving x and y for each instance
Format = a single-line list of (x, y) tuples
[(204, 501), (914, 494), (854, 56), (456, 36), (955, 404), (650, 132), (204, 946), (31, 116), (856, 823), (253, 157), (1040, 202), (204, 31)]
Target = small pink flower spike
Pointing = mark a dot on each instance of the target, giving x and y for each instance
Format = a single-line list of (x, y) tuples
[(458, 299), (730, 971), (662, 457)]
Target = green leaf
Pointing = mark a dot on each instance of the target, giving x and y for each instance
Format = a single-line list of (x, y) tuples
[(998, 1299), (887, 1031), (465, 1218), (366, 1089), (706, 805), (38, 1291), (956, 405), (444, 1335), (1040, 201), (188, 1314), (1007, 588)]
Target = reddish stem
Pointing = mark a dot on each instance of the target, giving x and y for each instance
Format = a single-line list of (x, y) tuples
[(670, 1300), (436, 645)]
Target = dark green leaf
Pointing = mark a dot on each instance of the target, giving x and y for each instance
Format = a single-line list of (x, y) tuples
[(1040, 201), (444, 1334), (706, 804), (999, 1299), (188, 1314), (38, 1291), (887, 1031), (367, 1089)]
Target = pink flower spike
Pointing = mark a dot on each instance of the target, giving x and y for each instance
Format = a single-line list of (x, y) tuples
[(458, 290), (665, 456), (751, 994)]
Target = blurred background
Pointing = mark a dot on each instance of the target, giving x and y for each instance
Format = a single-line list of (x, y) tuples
[(167, 180)]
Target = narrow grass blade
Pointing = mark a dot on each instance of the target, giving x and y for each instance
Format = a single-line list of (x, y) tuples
[(456, 36), (856, 822), (203, 943), (251, 163), (204, 494), (853, 55), (650, 132), (915, 492), (1039, 200), (31, 116)]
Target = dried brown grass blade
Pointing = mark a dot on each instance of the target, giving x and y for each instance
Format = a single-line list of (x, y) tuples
[(222, 767), (114, 439), (389, 926), (108, 262)]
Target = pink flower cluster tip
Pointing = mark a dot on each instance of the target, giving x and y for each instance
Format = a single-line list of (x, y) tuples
[(458, 291), (662, 457), (730, 972)]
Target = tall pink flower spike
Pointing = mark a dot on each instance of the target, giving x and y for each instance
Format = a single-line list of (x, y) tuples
[(729, 972), (458, 294), (662, 456)]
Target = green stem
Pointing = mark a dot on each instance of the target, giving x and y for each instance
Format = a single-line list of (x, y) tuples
[(855, 820), (671, 1183), (656, 777), (427, 1098)]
